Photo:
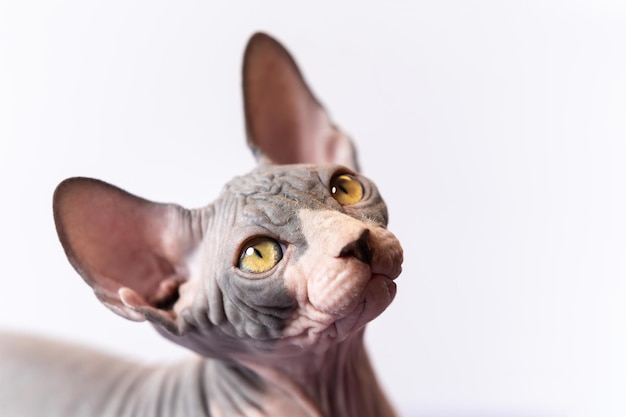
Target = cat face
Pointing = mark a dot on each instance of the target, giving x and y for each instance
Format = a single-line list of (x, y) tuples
[(295, 257)]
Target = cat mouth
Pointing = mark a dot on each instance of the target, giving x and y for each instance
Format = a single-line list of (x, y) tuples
[(384, 286), (318, 326), (387, 280), (377, 295)]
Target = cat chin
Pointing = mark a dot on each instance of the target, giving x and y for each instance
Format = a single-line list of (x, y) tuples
[(380, 291)]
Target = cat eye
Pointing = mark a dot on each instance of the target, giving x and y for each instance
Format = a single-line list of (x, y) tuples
[(260, 255), (346, 189)]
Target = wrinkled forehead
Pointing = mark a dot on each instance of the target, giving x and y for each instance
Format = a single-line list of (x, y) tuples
[(285, 187), (292, 180), (273, 197)]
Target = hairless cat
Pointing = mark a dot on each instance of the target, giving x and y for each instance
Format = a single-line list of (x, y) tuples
[(271, 285)]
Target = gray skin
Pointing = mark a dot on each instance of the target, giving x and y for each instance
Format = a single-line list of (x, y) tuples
[(286, 341)]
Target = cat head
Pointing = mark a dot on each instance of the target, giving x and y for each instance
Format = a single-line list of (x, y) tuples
[(293, 256)]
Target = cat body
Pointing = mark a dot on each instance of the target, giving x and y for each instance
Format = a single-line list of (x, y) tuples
[(271, 285)]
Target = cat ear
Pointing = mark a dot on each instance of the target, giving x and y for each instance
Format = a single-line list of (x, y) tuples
[(133, 253), (285, 123)]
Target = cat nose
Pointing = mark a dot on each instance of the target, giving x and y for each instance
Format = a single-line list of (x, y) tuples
[(359, 248)]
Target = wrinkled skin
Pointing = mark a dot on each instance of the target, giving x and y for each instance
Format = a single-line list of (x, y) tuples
[(282, 340)]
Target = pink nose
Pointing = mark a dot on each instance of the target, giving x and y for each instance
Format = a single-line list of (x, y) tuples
[(359, 248)]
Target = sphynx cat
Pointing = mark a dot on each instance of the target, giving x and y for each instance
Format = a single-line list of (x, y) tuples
[(271, 285)]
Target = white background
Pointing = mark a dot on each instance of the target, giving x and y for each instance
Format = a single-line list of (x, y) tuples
[(496, 132)]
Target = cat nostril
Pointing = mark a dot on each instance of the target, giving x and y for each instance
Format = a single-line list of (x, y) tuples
[(359, 248)]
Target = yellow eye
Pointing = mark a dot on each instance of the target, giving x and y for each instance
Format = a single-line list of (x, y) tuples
[(260, 255), (346, 189)]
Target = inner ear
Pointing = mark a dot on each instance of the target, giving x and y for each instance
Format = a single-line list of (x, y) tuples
[(285, 122), (133, 253)]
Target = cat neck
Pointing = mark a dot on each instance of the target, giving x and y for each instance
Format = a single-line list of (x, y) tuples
[(339, 382)]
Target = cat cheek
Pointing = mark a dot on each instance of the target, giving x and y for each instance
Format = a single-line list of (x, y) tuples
[(337, 288), (331, 287)]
